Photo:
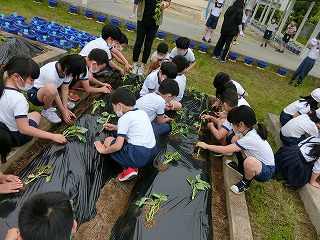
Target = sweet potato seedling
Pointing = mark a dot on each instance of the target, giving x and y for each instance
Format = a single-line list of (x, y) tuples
[(96, 104), (199, 97), (181, 129), (169, 157), (197, 185), (199, 124), (106, 117), (152, 204), (76, 131), (43, 171), (181, 113), (196, 155)]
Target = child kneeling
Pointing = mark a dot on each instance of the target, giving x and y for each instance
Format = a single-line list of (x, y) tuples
[(135, 145)]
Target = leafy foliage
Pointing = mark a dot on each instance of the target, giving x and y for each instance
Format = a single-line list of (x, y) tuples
[(197, 185), (158, 11), (181, 129), (181, 112), (76, 131), (170, 156), (96, 104), (106, 117), (43, 171), (198, 125)]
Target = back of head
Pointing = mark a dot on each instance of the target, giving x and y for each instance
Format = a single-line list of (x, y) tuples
[(230, 97), (7, 142), (246, 115), (124, 96), (222, 88), (123, 39), (220, 79), (169, 86), (20, 64), (238, 3), (162, 48), (183, 42), (73, 64), (295, 20), (98, 55), (169, 69), (46, 216), (181, 62), (111, 31)]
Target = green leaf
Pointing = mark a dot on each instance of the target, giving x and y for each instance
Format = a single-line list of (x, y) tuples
[(48, 178), (82, 130), (190, 180), (156, 195), (142, 201), (82, 138)]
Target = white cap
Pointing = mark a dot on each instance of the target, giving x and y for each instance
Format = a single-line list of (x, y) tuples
[(248, 7), (315, 94), (318, 113), (220, 1)]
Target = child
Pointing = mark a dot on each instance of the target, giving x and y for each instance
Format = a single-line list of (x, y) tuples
[(158, 57), (212, 21), (153, 80), (135, 5), (308, 63), (135, 145), (245, 16), (154, 105), (272, 26), (301, 106), (19, 74), (120, 45), (52, 76), (182, 48), (110, 35), (259, 161), (9, 184), (45, 216), (300, 128), (95, 61), (181, 79), (291, 29), (300, 163)]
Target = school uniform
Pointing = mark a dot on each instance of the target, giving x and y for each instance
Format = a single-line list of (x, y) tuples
[(298, 106), (270, 29), (240, 89), (13, 105), (151, 83), (294, 131), (48, 74), (290, 30), (242, 101), (139, 146), (308, 63), (254, 146), (214, 16), (294, 163), (154, 105), (181, 79), (160, 60), (99, 43), (189, 55)]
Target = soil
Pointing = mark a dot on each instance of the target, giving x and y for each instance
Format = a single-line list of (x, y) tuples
[(198, 157), (162, 167)]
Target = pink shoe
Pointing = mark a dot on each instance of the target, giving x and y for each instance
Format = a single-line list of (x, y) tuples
[(128, 174)]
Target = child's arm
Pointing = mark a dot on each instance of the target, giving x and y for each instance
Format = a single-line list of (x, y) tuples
[(116, 52), (13, 234), (163, 119), (220, 149), (313, 180), (218, 134), (114, 56), (115, 66), (190, 67)]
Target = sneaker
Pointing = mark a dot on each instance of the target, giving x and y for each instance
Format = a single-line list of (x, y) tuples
[(204, 39), (222, 60), (134, 69), (297, 84), (234, 166), (215, 57), (291, 81), (240, 187), (128, 174), (209, 41), (265, 45), (73, 96), (140, 70), (261, 45), (70, 105), (235, 42), (282, 51), (277, 50), (50, 115)]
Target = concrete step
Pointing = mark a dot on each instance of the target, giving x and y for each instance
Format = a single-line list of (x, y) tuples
[(308, 194)]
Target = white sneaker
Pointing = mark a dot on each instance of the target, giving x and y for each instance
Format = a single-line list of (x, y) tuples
[(50, 115), (134, 69), (140, 70), (70, 105)]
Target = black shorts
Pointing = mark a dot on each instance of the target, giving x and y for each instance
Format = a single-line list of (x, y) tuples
[(286, 38), (267, 35), (33, 96), (212, 22)]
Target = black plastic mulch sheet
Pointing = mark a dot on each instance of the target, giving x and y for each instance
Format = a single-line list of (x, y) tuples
[(179, 217), (78, 170), (15, 45)]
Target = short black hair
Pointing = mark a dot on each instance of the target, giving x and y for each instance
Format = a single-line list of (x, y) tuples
[(314, 118), (181, 62), (111, 31), (169, 69), (7, 142), (162, 48), (123, 39), (295, 20), (124, 96), (183, 42), (46, 216), (275, 17), (169, 86), (230, 97), (73, 64), (99, 55)]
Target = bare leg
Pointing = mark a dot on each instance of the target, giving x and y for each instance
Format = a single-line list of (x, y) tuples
[(313, 180), (47, 94), (35, 116), (252, 167)]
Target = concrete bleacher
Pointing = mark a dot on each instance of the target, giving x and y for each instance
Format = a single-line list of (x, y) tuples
[(308, 194)]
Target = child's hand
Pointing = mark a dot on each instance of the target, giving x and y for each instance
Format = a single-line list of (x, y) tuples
[(10, 178), (127, 67), (100, 147), (167, 118), (13, 234), (105, 89), (170, 106), (59, 138), (216, 104), (68, 115), (206, 117), (10, 187), (202, 145), (110, 127), (107, 85), (165, 4), (221, 115)]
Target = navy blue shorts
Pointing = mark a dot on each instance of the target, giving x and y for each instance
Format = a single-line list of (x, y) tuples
[(286, 38), (285, 117), (266, 173), (229, 138), (136, 2), (33, 97), (22, 138), (133, 156), (212, 22), (267, 34)]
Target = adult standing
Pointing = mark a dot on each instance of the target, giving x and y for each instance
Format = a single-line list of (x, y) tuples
[(149, 18), (231, 26)]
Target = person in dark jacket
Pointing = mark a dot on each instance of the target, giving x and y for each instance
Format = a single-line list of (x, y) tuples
[(231, 26)]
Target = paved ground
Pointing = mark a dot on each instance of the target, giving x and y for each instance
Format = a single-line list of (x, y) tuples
[(177, 26)]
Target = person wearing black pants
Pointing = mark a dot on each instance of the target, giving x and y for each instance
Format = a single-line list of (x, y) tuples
[(232, 25), (147, 27)]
